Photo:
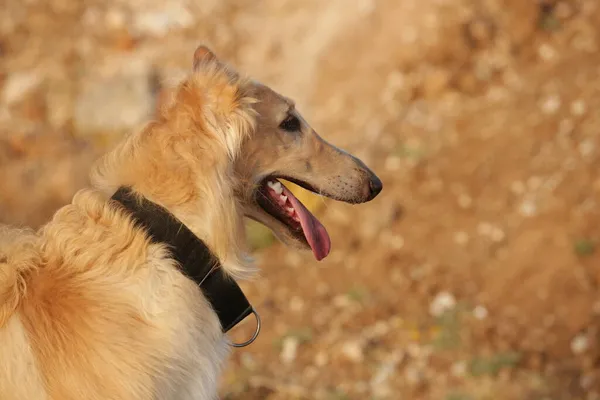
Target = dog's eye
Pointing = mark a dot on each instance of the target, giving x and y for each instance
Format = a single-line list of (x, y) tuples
[(290, 124)]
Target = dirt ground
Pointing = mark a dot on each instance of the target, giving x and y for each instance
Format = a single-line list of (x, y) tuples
[(473, 276)]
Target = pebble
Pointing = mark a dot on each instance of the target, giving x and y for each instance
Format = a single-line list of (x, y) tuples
[(296, 304), (527, 208), (546, 52), (461, 238), (115, 19), (586, 148), (19, 85), (116, 103), (517, 187), (393, 163), (353, 351), (579, 344), (289, 350), (578, 108), (480, 312), (321, 359), (444, 301), (159, 22), (459, 369), (551, 104), (465, 201)]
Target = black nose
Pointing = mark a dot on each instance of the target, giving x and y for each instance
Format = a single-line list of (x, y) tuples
[(376, 186)]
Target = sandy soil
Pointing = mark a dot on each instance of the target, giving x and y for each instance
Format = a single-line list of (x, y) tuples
[(473, 276)]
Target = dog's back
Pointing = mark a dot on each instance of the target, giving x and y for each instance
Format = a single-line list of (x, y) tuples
[(88, 307), (19, 255)]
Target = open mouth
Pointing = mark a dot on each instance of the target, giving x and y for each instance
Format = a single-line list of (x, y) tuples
[(277, 201)]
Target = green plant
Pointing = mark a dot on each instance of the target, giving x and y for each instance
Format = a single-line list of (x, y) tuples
[(480, 366)]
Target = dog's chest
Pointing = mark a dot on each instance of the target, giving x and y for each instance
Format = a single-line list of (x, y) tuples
[(193, 355)]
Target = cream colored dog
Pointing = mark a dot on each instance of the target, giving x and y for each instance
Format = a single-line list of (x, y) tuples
[(92, 308)]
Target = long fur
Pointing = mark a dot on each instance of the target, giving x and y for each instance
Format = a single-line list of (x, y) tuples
[(89, 308)]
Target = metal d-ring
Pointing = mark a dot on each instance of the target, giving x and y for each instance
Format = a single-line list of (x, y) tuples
[(256, 332)]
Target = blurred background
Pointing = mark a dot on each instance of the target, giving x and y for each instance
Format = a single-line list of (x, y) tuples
[(474, 275)]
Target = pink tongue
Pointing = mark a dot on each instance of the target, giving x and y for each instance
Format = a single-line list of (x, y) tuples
[(314, 231)]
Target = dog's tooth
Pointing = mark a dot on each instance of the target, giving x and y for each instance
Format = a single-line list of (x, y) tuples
[(278, 188), (283, 198), (290, 210)]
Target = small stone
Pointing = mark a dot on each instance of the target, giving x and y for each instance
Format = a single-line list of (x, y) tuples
[(247, 360), (393, 163), (322, 288), (159, 22), (546, 52), (115, 19), (396, 242), (566, 126), (413, 376), (353, 351), (19, 85), (321, 359), (534, 183), (497, 234), (459, 369), (485, 229), (586, 148), (527, 208), (461, 238), (480, 312), (551, 104), (296, 304), (465, 201), (116, 103), (342, 301), (517, 187), (289, 350), (293, 259), (435, 82), (443, 302), (578, 108), (579, 344)]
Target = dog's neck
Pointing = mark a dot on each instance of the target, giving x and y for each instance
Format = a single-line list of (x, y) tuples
[(193, 256), (173, 162)]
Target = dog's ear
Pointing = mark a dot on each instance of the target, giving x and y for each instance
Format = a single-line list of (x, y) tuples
[(203, 55)]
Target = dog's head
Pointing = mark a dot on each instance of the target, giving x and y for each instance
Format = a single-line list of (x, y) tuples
[(216, 152), (283, 145)]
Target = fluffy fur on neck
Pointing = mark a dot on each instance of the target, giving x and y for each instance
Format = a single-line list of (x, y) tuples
[(184, 160)]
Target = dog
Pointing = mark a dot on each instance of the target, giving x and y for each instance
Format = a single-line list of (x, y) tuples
[(95, 305)]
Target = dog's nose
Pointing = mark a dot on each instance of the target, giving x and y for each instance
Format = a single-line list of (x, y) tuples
[(375, 185)]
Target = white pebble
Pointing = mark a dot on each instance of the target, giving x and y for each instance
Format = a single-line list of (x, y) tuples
[(579, 344), (527, 208), (546, 52), (18, 85), (459, 369), (578, 108), (353, 351), (443, 302), (480, 312), (551, 104), (289, 350)]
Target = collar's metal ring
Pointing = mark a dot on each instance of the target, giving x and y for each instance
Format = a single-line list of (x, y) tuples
[(256, 332)]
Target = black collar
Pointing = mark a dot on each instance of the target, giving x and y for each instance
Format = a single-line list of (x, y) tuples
[(193, 256)]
